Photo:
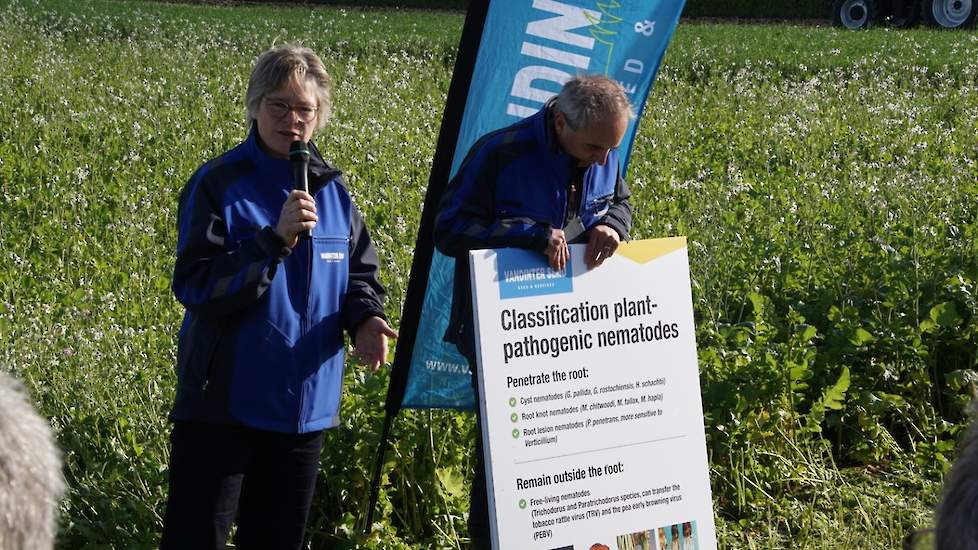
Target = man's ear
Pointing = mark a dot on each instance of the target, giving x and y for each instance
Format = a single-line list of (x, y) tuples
[(559, 121)]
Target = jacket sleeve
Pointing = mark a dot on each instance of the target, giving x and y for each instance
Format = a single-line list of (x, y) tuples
[(466, 219), (364, 293), (619, 214), (209, 277)]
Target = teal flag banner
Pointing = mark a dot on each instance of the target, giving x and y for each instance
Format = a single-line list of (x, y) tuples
[(528, 49)]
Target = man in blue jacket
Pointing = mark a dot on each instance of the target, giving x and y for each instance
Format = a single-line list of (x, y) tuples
[(549, 180), (260, 353)]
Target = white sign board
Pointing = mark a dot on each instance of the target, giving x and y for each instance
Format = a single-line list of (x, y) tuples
[(590, 399)]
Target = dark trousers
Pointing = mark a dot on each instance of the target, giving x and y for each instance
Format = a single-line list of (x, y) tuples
[(267, 478)]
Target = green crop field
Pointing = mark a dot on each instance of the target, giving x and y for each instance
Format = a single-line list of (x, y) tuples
[(827, 181)]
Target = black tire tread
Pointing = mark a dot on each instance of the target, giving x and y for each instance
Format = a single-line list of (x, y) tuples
[(871, 8), (927, 15)]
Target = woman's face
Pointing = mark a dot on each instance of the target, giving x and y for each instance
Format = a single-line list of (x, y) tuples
[(288, 114)]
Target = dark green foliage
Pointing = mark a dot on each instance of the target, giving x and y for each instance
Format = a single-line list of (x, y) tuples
[(827, 190), (409, 4), (767, 9), (413, 4)]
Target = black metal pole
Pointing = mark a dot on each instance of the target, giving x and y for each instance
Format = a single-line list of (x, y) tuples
[(441, 167), (378, 470), (458, 92)]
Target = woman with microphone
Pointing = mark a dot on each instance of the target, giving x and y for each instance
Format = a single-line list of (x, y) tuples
[(270, 277)]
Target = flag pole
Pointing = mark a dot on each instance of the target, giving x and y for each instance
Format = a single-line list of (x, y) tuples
[(458, 92)]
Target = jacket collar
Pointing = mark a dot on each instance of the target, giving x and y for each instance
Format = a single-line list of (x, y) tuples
[(320, 171)]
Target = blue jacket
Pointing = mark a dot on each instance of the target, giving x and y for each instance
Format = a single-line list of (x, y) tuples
[(510, 190), (261, 343)]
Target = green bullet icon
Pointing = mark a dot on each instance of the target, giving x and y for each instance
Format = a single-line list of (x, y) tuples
[(522, 504), (516, 433), (512, 401), (513, 417)]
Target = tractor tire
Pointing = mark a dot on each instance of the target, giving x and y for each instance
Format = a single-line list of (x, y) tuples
[(854, 14), (949, 14)]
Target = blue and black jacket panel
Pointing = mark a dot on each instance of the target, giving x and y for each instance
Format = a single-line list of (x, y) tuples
[(510, 190), (262, 339)]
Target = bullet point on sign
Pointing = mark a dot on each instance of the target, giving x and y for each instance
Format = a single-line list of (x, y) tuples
[(512, 401), (516, 433), (522, 504), (513, 417)]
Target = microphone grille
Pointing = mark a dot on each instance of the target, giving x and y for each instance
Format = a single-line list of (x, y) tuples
[(298, 150)]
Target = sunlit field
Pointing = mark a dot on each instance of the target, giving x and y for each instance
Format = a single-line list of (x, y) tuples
[(826, 180)]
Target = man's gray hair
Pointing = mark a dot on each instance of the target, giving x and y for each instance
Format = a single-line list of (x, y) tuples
[(30, 473), (957, 513), (584, 99), (277, 66)]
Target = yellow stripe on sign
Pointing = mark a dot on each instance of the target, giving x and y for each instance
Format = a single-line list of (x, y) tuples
[(643, 252)]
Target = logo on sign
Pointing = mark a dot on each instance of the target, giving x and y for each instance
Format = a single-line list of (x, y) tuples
[(523, 273)]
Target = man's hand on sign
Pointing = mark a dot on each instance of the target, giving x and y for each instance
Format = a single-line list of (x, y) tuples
[(601, 244), (557, 252)]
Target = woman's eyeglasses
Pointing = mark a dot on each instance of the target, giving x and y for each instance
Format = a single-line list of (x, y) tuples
[(279, 109)]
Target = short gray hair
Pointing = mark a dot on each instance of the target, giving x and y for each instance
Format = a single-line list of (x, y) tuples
[(584, 99), (31, 485), (277, 66)]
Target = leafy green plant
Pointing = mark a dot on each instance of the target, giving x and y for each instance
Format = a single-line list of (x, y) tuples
[(827, 191)]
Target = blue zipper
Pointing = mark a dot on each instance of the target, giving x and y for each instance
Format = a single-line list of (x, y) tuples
[(303, 328)]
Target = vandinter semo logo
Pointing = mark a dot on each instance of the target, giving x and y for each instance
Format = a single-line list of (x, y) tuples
[(523, 273)]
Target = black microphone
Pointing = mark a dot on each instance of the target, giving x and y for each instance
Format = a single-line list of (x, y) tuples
[(299, 157)]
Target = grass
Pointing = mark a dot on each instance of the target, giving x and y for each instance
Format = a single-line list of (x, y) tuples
[(826, 181)]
